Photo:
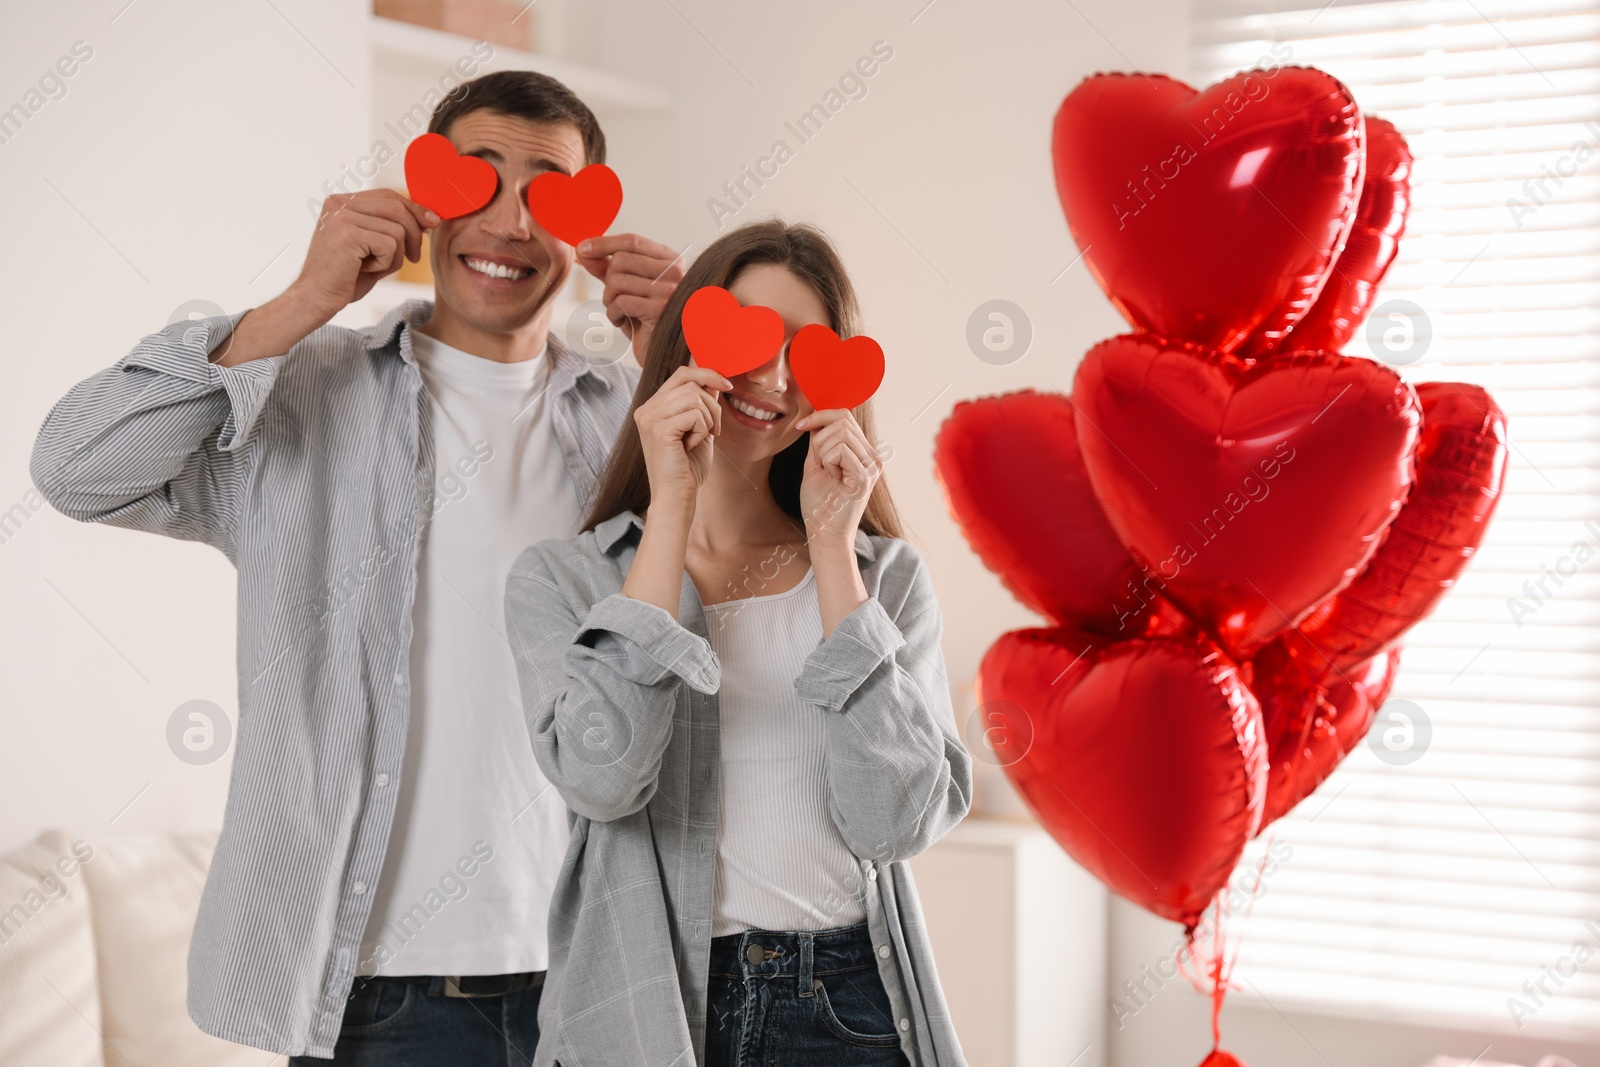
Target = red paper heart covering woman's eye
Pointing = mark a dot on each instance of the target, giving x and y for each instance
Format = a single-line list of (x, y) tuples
[(726, 337), (835, 373)]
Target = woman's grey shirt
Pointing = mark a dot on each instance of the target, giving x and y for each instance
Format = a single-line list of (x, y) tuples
[(621, 703)]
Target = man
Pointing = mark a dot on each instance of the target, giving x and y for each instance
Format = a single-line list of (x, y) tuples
[(380, 887)]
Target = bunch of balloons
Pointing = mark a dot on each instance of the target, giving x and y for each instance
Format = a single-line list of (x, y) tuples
[(1229, 523)]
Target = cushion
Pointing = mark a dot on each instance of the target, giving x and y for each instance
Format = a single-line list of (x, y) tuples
[(51, 1015), (145, 890)]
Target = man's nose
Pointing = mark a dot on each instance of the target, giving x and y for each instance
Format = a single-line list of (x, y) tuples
[(508, 216)]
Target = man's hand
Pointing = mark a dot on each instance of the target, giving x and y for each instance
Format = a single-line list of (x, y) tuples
[(360, 239), (640, 275)]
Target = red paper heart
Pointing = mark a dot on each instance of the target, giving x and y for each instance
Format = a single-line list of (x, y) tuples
[(726, 337), (445, 183), (1313, 718), (1461, 467), (835, 373), (1015, 483), (1373, 243), (1208, 216), (1144, 758), (577, 207), (1252, 492)]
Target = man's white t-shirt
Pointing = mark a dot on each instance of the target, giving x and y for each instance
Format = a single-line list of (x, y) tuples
[(479, 834)]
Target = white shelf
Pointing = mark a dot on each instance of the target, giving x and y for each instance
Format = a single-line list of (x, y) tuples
[(419, 56)]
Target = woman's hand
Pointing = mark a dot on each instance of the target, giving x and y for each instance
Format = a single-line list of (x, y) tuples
[(841, 469), (677, 427)]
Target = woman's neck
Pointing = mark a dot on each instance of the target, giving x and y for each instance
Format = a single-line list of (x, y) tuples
[(735, 509)]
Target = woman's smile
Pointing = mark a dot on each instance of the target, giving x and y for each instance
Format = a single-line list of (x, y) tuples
[(752, 412)]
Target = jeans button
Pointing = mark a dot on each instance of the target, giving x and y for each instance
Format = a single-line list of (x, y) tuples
[(753, 954)]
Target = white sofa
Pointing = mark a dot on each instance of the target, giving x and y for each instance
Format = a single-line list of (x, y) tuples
[(94, 941)]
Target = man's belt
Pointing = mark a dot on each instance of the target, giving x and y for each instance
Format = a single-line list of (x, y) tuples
[(471, 986)]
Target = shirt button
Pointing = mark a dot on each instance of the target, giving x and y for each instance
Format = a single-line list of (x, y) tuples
[(382, 779), (883, 951), (905, 1024), (358, 888), (399, 678), (872, 875)]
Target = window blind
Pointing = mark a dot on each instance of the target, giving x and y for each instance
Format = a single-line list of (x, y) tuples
[(1463, 887)]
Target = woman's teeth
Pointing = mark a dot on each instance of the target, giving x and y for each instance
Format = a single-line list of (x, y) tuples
[(497, 270), (754, 413)]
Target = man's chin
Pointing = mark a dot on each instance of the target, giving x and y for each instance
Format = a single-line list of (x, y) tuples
[(494, 316)]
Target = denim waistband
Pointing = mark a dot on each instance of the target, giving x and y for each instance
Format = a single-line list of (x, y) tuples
[(802, 953)]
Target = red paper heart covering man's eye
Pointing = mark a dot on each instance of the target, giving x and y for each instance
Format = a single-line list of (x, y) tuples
[(835, 373), (729, 338), (445, 183), (576, 207)]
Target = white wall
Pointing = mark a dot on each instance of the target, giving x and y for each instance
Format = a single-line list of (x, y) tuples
[(175, 168)]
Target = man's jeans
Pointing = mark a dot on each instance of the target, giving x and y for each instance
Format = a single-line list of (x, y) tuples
[(811, 997), (401, 1024)]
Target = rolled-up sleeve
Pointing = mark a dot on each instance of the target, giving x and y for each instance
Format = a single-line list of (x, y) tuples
[(599, 683), (898, 775), (155, 441)]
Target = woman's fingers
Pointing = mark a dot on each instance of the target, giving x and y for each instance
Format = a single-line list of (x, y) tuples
[(845, 454), (685, 410), (703, 375)]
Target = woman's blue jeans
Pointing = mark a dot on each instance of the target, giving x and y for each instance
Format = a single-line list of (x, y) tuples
[(799, 997)]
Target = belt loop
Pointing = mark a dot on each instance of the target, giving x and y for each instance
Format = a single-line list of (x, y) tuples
[(807, 988), (436, 985)]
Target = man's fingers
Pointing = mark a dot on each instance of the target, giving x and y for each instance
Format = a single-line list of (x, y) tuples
[(610, 243), (378, 250), (648, 269), (383, 238), (620, 284), (395, 209), (426, 217), (628, 307)]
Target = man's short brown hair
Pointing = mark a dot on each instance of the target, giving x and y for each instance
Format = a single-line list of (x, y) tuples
[(523, 94)]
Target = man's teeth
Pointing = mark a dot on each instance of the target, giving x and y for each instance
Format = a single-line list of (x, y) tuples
[(497, 270), (755, 413)]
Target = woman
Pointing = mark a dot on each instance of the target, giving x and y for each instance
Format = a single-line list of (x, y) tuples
[(733, 675)]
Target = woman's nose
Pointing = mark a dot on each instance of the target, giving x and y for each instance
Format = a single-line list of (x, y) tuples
[(773, 375)]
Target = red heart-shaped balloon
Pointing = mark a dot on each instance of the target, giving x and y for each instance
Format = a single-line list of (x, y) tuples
[(1015, 484), (835, 373), (1144, 759), (445, 183), (729, 338), (1208, 216), (576, 207), (1254, 492), (1460, 472), (1313, 718), (1373, 243)]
